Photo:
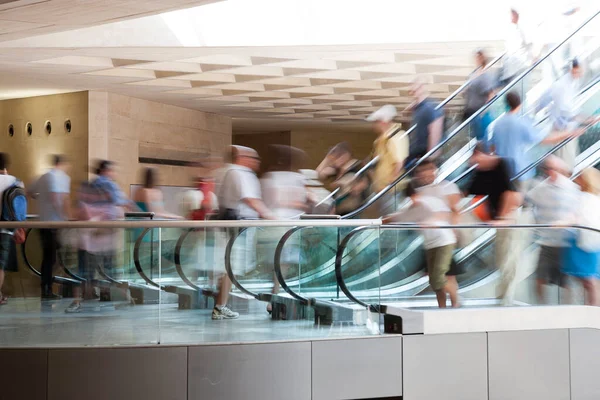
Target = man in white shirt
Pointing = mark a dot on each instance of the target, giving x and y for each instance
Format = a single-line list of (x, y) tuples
[(439, 243), (555, 200), (52, 191), (6, 241), (518, 49), (240, 198), (565, 113)]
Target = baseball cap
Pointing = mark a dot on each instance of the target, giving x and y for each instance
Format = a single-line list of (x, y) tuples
[(386, 113)]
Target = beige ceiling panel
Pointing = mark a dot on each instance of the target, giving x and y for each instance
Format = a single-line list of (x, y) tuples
[(411, 57), (355, 64), (351, 104), (286, 102), (405, 79), (264, 70), (251, 106), (295, 116), (346, 75), (270, 95), (312, 107), (245, 86), (365, 56), (9, 26), (313, 91), (325, 81), (314, 64), (381, 93), (124, 72), (332, 113), (268, 60), (79, 61), (124, 62), (167, 83), (367, 85), (172, 66), (250, 78), (387, 68), (278, 111), (299, 71), (332, 98), (208, 77), (231, 60), (199, 92), (288, 81)]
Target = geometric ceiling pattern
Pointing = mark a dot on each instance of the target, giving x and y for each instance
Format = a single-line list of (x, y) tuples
[(320, 83)]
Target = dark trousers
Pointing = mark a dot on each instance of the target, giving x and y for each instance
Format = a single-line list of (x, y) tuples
[(49, 239)]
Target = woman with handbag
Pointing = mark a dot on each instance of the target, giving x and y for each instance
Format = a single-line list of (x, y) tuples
[(582, 257)]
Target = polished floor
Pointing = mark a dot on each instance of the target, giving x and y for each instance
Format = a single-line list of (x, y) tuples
[(34, 323)]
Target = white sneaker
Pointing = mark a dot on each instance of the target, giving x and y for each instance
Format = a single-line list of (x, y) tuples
[(73, 308), (224, 313)]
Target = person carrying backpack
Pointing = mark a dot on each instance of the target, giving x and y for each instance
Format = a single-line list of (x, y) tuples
[(14, 208)]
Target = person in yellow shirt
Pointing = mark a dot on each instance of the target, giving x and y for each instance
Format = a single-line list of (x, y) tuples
[(391, 146)]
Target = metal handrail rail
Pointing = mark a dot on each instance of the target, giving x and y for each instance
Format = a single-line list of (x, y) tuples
[(123, 224), (342, 247), (375, 159), (229, 269), (436, 148)]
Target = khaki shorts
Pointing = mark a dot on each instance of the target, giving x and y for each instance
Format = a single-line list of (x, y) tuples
[(438, 264)]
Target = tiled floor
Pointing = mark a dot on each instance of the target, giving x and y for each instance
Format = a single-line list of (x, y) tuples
[(33, 323)]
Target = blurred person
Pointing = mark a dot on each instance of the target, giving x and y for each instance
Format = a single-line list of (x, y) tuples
[(479, 92), (518, 50), (392, 152), (439, 243), (565, 114), (492, 179), (582, 257), (8, 260), (239, 198), (513, 135), (149, 198), (449, 193), (201, 201), (284, 193), (97, 248), (353, 189), (106, 181), (555, 200), (316, 193), (52, 192), (429, 122)]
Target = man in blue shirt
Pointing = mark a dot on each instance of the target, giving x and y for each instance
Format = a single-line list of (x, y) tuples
[(429, 123), (514, 135)]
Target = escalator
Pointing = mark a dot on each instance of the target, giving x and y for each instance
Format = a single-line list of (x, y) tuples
[(401, 259)]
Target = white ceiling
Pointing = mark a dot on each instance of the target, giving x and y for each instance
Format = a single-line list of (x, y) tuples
[(26, 18)]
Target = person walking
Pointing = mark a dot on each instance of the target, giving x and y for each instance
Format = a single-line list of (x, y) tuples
[(240, 198), (479, 92), (428, 121), (52, 192), (582, 256), (392, 147), (518, 50), (439, 243), (555, 200), (565, 112), (8, 260)]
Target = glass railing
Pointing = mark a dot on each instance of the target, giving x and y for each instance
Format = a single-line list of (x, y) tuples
[(504, 271)]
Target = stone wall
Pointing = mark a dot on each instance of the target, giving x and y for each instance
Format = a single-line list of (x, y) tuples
[(123, 129)]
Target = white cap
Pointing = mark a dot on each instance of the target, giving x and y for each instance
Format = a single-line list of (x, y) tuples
[(386, 113)]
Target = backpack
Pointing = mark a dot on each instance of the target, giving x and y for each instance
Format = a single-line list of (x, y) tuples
[(14, 208)]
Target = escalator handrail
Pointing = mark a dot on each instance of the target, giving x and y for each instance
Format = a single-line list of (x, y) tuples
[(138, 265), (60, 279), (228, 267), (277, 266), (458, 129), (177, 259), (375, 159), (408, 226)]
